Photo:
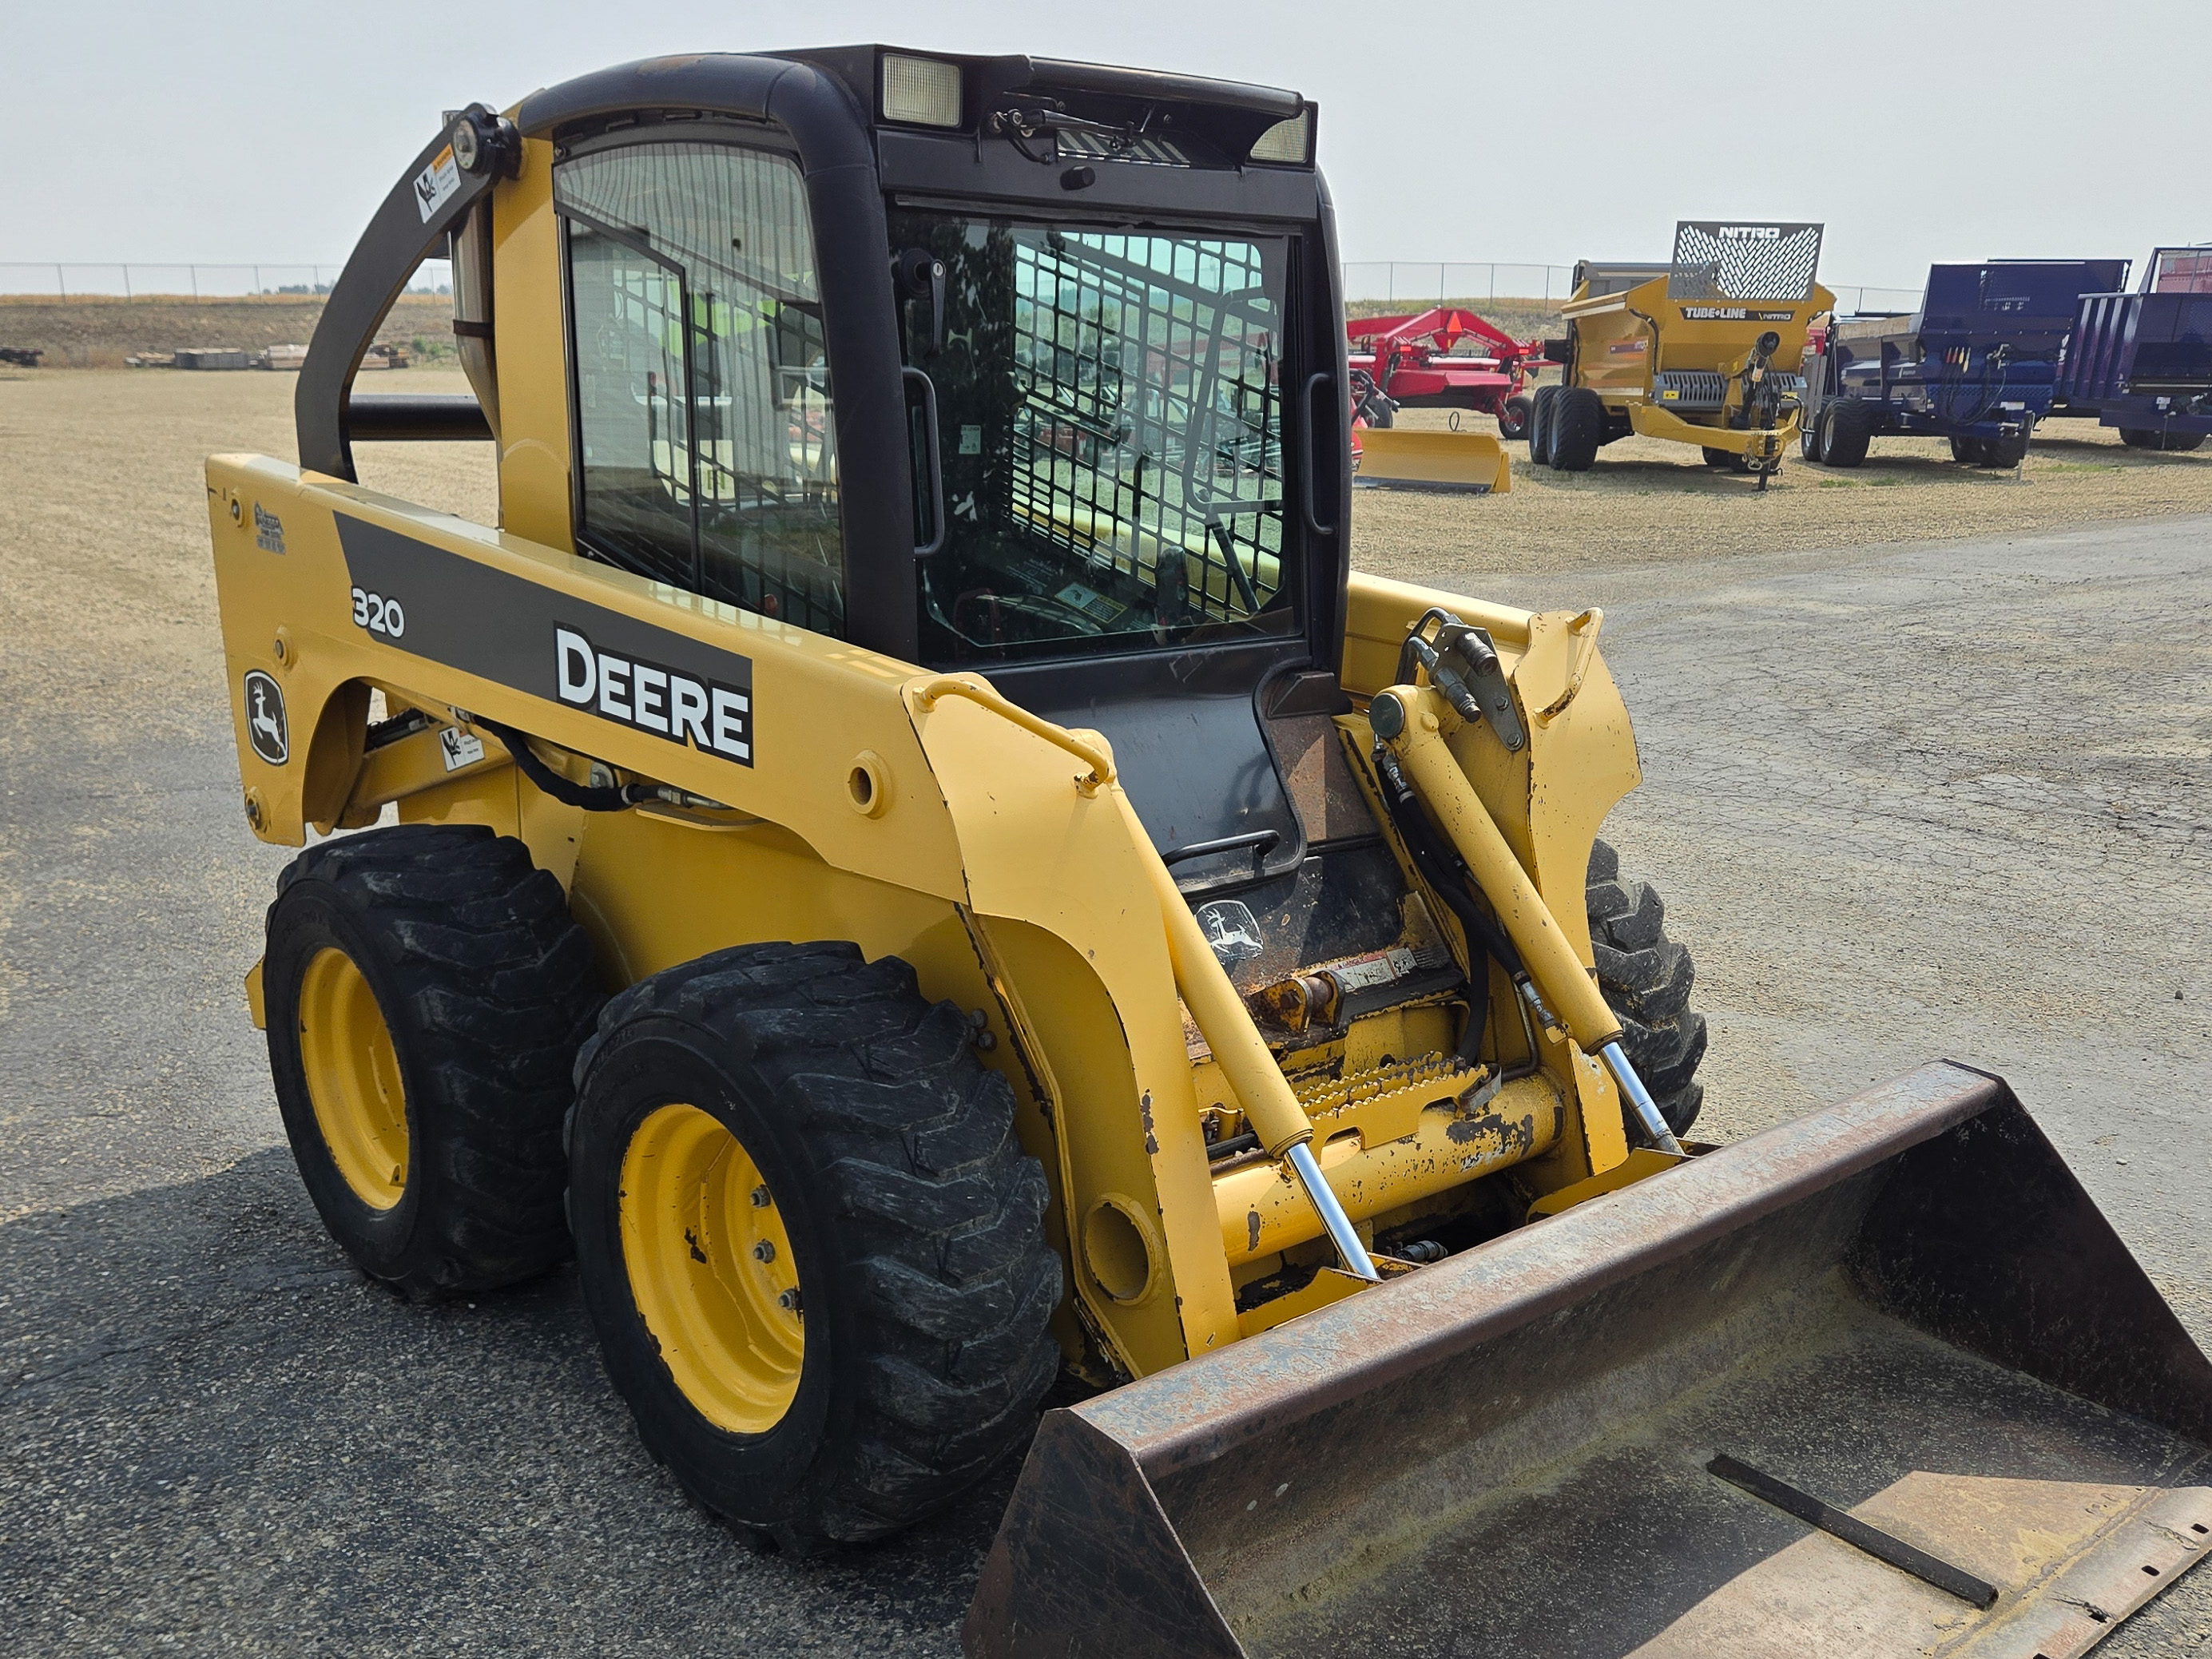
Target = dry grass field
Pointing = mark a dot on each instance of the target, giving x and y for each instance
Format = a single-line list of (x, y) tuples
[(99, 332), (1649, 502)]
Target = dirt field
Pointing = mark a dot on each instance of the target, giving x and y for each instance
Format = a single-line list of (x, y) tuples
[(1915, 785), (1649, 502), (100, 332)]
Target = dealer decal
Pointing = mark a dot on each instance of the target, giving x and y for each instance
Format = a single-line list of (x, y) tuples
[(451, 609)]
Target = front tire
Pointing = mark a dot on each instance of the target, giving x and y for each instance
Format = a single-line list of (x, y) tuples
[(889, 1344), (426, 992), (1540, 425), (1577, 429), (1851, 432), (1646, 979)]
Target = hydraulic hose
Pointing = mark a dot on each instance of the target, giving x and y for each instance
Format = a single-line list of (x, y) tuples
[(1410, 719)]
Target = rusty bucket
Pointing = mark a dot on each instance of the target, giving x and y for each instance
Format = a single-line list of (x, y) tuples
[(1880, 1381)]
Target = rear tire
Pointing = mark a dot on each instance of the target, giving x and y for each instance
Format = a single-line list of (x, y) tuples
[(1851, 430), (1967, 451), (1646, 978), (1808, 437), (426, 992), (1513, 415), (885, 1154), (1540, 425), (2175, 443), (1577, 429), (2003, 453)]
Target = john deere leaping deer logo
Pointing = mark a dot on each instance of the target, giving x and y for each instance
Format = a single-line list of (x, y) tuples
[(265, 718)]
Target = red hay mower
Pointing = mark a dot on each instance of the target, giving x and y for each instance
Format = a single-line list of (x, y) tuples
[(1411, 363)]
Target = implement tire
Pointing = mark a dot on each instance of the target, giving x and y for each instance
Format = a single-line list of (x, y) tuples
[(1540, 425), (2144, 437), (1513, 415), (1646, 978), (1577, 429), (1967, 451), (426, 993), (2003, 453), (1851, 430), (810, 1245)]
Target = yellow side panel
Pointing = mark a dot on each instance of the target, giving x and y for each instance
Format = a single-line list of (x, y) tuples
[(534, 363)]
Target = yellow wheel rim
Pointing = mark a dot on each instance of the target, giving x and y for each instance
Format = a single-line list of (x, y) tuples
[(353, 1078), (710, 1269)]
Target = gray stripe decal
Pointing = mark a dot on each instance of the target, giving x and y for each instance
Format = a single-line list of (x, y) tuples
[(505, 628)]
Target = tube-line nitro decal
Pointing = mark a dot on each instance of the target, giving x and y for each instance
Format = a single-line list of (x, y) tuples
[(549, 644)]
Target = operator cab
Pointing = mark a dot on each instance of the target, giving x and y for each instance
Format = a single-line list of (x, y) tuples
[(1026, 368)]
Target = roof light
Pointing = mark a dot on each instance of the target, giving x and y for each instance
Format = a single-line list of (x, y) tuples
[(1290, 141), (924, 91)]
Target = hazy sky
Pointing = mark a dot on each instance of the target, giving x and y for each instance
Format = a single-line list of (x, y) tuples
[(251, 130)]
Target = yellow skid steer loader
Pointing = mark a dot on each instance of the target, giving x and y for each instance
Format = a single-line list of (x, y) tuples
[(916, 859)]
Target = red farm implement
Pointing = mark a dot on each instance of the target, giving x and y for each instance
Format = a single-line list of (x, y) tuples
[(1415, 362)]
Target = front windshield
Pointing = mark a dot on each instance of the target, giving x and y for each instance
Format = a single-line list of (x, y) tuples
[(1111, 430)]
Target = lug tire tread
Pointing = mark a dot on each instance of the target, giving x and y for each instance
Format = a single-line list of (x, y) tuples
[(937, 1212), (498, 989), (1646, 978)]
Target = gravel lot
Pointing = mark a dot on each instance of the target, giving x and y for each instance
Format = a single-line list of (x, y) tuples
[(1906, 799)]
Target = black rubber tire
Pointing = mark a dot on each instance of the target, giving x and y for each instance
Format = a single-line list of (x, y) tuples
[(487, 987), (915, 1221), (1540, 425), (1724, 460), (1851, 430), (2176, 443), (1380, 412), (1808, 437), (1577, 429), (1967, 451), (1513, 416), (2003, 453), (1646, 978)]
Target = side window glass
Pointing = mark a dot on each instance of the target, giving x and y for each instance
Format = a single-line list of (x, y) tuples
[(706, 446)]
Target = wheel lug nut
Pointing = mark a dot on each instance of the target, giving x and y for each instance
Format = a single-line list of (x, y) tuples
[(788, 1301), (761, 1199), (763, 1251)]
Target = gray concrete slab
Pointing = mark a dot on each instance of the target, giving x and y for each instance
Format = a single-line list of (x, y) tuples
[(1946, 798)]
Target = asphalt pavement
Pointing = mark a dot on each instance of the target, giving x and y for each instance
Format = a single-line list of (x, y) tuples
[(1935, 800)]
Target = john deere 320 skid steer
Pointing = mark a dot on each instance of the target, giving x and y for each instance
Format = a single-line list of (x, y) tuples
[(916, 859)]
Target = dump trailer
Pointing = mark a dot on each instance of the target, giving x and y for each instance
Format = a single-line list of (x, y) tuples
[(1977, 364), (2142, 362), (1703, 350), (1039, 912)]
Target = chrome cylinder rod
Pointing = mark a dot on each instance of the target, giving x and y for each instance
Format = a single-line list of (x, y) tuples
[(1356, 1259), (1647, 1109)]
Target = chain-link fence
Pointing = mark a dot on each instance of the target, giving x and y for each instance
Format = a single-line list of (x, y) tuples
[(63, 279), (1367, 283)]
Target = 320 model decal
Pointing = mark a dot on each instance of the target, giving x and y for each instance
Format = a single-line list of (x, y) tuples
[(420, 599)]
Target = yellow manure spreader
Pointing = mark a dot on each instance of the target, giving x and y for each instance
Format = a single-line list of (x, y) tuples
[(1701, 351), (919, 863)]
